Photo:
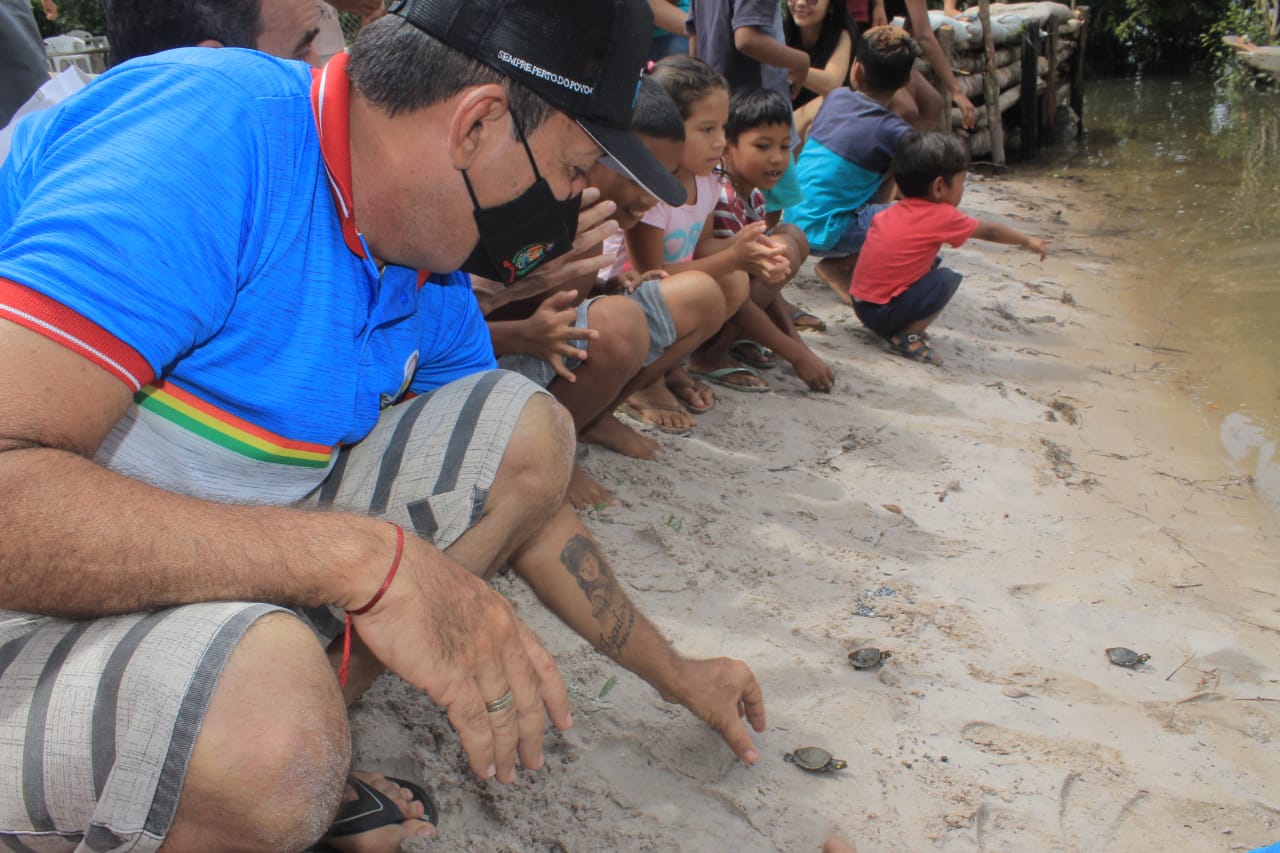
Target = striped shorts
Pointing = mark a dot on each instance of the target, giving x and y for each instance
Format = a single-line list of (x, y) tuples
[(98, 718)]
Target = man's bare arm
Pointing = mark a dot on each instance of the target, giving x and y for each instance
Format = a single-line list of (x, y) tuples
[(569, 573), (79, 541)]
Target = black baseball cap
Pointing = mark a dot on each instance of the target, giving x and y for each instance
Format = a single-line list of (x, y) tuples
[(582, 56)]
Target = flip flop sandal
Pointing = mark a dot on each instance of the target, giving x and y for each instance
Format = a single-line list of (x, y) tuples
[(753, 353), (689, 407), (720, 377), (373, 809), (814, 324), (637, 413), (921, 351)]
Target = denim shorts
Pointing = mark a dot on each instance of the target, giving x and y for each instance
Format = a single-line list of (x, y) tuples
[(923, 299), (850, 242)]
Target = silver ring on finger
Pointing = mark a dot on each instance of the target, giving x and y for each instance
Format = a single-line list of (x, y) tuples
[(502, 703)]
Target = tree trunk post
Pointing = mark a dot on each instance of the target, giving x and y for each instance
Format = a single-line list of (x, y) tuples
[(991, 89)]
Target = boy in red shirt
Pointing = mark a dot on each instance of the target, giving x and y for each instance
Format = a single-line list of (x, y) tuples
[(898, 287)]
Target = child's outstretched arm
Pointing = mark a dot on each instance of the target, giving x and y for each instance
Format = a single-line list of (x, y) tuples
[(1010, 236)]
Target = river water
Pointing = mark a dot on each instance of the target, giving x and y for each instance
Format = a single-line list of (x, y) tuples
[(1190, 176)]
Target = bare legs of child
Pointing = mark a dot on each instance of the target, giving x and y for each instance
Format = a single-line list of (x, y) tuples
[(754, 322), (616, 355), (796, 318), (697, 307), (836, 273), (913, 341)]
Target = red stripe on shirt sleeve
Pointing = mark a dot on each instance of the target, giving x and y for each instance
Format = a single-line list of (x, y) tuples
[(57, 322)]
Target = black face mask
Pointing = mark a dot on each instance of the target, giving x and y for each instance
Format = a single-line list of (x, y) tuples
[(521, 235)]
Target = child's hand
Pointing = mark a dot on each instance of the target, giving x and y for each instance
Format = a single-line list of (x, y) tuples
[(549, 333), (1035, 244), (759, 255), (631, 279)]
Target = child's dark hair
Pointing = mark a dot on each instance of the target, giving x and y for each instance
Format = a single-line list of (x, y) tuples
[(655, 113), (919, 158), (752, 108), (887, 55), (687, 80)]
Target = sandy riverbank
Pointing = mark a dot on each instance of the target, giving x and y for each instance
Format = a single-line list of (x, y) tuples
[(996, 523)]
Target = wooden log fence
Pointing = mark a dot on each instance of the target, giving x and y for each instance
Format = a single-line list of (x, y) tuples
[(1017, 76)]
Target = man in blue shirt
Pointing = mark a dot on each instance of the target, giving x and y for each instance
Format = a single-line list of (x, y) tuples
[(222, 309)]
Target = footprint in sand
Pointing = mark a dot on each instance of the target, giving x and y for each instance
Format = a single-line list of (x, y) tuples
[(1075, 755)]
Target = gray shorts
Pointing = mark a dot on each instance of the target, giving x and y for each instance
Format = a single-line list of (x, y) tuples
[(662, 334), (98, 718)]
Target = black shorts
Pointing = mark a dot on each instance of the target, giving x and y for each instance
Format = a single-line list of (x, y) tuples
[(923, 299)]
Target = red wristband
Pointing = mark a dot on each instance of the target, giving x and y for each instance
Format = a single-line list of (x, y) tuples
[(377, 596)]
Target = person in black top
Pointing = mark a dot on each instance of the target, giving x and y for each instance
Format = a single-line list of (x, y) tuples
[(823, 30)]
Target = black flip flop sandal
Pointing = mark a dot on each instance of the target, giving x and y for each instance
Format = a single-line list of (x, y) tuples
[(373, 809)]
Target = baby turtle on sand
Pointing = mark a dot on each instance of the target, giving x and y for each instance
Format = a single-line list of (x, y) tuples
[(868, 657), (1120, 656), (815, 759)]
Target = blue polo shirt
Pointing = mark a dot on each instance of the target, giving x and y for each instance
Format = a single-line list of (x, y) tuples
[(175, 223)]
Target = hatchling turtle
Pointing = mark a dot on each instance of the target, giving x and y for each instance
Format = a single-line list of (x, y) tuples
[(814, 759), (868, 658), (1120, 656)]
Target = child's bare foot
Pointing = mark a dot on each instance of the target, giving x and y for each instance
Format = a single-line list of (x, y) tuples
[(836, 844), (658, 407), (802, 320), (585, 493), (695, 396), (608, 431), (835, 273)]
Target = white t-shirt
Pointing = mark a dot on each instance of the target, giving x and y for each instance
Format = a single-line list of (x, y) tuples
[(681, 226)]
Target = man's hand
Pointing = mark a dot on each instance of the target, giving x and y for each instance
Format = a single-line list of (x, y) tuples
[(445, 632), (549, 333), (722, 692), (50, 10)]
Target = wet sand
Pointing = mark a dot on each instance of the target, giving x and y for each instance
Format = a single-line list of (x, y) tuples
[(996, 523)]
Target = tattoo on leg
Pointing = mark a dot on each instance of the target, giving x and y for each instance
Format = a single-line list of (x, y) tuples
[(609, 605)]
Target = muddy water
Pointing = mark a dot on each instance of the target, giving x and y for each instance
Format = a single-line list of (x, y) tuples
[(1190, 175)]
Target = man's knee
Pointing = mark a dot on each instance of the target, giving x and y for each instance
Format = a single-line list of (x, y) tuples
[(539, 457), (270, 762)]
